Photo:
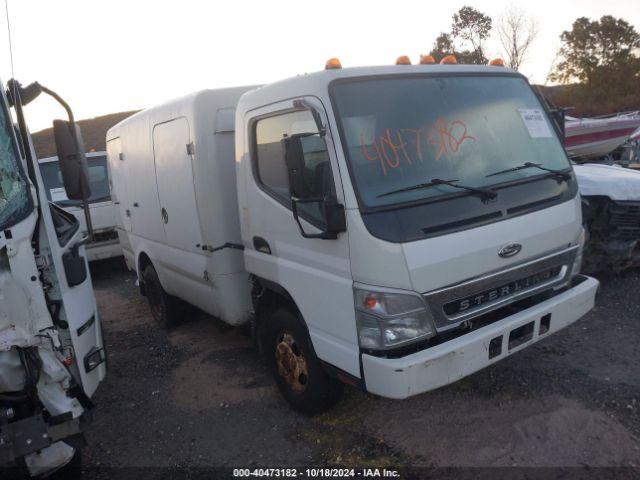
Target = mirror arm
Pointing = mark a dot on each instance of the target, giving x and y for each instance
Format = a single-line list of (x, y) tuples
[(72, 122), (61, 101), (20, 96), (305, 104)]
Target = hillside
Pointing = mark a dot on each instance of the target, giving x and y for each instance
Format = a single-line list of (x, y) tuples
[(94, 131), (591, 103)]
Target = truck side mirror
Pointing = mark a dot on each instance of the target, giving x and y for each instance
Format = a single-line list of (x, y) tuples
[(332, 213), (72, 159)]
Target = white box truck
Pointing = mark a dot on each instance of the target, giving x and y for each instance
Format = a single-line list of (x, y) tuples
[(395, 228), (105, 242)]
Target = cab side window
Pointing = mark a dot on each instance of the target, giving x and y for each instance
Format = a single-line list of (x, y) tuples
[(270, 164)]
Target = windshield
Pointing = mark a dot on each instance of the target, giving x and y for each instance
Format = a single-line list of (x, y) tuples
[(98, 179), (15, 202), (405, 131)]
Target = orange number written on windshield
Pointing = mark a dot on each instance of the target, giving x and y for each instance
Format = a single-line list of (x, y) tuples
[(391, 149)]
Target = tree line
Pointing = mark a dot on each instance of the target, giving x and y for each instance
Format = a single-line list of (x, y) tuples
[(597, 67)]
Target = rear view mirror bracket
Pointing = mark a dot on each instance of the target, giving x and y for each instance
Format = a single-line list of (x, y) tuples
[(69, 145)]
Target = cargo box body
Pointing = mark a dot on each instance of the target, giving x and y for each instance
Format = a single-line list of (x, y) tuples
[(174, 181)]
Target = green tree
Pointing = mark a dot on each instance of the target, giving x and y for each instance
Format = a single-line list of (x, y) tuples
[(472, 28), (599, 53), (442, 46)]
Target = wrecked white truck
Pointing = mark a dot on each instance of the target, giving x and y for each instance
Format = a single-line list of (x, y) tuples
[(611, 216), (51, 346)]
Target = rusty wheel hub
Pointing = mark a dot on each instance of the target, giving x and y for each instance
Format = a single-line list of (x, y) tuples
[(292, 365)]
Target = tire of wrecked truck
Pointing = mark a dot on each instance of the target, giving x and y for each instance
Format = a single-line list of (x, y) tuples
[(298, 373)]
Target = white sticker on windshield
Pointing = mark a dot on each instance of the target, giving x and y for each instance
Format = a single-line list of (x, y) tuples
[(58, 195), (535, 122)]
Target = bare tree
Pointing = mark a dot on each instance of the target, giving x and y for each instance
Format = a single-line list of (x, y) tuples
[(517, 32), (553, 65)]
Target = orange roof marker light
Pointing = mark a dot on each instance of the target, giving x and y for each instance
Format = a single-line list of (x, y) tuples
[(403, 60), (449, 60), (427, 60), (497, 62), (332, 64)]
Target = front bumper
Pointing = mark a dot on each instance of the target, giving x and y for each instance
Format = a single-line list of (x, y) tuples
[(462, 356), (103, 250)]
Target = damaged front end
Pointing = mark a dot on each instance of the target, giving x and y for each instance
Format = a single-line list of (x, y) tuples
[(613, 234), (42, 409)]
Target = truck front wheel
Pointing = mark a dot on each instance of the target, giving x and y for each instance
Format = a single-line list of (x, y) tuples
[(164, 307), (297, 371)]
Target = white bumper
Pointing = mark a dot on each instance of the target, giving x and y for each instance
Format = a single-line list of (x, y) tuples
[(455, 359)]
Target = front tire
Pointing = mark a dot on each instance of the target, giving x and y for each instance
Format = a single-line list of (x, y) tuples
[(298, 372), (164, 307)]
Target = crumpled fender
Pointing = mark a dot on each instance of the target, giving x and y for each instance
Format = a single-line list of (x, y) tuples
[(615, 182)]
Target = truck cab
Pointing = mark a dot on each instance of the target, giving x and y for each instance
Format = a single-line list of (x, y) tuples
[(393, 228), (421, 222)]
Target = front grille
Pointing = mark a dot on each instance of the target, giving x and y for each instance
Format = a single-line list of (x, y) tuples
[(624, 220), (453, 305), (486, 297)]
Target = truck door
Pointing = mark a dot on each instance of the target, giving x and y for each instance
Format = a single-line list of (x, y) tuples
[(316, 273), (77, 301)]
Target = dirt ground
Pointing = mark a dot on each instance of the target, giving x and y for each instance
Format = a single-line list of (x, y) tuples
[(199, 396)]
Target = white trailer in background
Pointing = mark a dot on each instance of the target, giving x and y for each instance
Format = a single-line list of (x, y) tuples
[(395, 228), (103, 211)]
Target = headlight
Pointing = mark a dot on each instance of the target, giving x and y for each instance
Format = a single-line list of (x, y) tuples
[(386, 320), (577, 264)]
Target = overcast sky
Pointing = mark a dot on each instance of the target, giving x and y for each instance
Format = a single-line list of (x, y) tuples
[(113, 55)]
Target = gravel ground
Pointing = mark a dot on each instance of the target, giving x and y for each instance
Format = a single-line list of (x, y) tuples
[(199, 397)]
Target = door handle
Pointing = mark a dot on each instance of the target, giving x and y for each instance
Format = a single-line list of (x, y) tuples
[(135, 204), (261, 245), (165, 215)]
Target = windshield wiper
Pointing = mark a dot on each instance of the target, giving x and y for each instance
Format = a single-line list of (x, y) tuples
[(485, 194), (559, 173)]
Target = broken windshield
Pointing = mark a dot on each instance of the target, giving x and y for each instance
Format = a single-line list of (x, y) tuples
[(403, 131), (15, 202)]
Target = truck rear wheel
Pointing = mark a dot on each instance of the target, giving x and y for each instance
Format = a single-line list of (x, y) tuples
[(164, 307), (296, 368)]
